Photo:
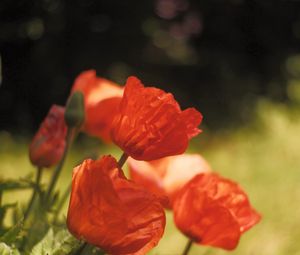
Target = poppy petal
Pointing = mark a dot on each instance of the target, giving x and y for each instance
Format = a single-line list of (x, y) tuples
[(101, 98), (111, 212), (166, 176), (213, 211), (151, 125)]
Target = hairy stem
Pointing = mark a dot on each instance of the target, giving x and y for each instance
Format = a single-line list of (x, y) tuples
[(122, 160), (187, 247), (34, 193), (62, 202), (59, 167), (81, 248)]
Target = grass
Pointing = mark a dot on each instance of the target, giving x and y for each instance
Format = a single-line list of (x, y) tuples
[(263, 157)]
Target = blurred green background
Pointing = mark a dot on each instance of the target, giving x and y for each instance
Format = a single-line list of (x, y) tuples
[(263, 157), (237, 61)]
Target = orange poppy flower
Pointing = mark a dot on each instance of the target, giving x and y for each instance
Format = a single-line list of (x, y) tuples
[(48, 144), (101, 100), (111, 212), (151, 124), (215, 211), (166, 176)]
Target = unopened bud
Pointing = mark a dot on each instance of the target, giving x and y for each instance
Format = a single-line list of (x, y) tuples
[(74, 114)]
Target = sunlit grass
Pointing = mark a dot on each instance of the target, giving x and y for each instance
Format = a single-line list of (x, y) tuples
[(263, 157)]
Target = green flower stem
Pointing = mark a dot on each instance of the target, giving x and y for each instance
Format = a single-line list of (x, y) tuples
[(187, 247), (122, 160), (69, 138), (62, 202), (34, 193), (81, 248)]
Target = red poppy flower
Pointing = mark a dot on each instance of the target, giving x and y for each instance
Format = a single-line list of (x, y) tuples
[(101, 99), (151, 124), (111, 212), (48, 144), (165, 177), (214, 211)]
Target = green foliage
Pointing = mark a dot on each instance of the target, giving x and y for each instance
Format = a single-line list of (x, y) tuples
[(58, 243), (53, 200), (39, 226), (90, 249), (61, 242), (263, 157), (3, 211), (7, 250), (12, 235), (9, 185)]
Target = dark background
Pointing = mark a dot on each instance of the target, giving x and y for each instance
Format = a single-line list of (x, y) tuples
[(220, 56)]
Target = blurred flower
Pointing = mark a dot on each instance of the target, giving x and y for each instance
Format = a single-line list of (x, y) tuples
[(215, 211), (101, 100), (48, 144), (151, 124), (111, 212), (165, 177), (169, 9)]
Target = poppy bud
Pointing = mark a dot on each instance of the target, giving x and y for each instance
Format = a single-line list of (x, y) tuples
[(74, 114), (48, 144)]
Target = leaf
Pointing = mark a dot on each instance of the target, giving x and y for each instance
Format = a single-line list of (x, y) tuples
[(51, 202), (14, 185), (53, 199), (44, 247), (3, 210), (65, 243), (60, 243), (90, 249), (12, 234), (39, 228), (17, 214), (7, 250)]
